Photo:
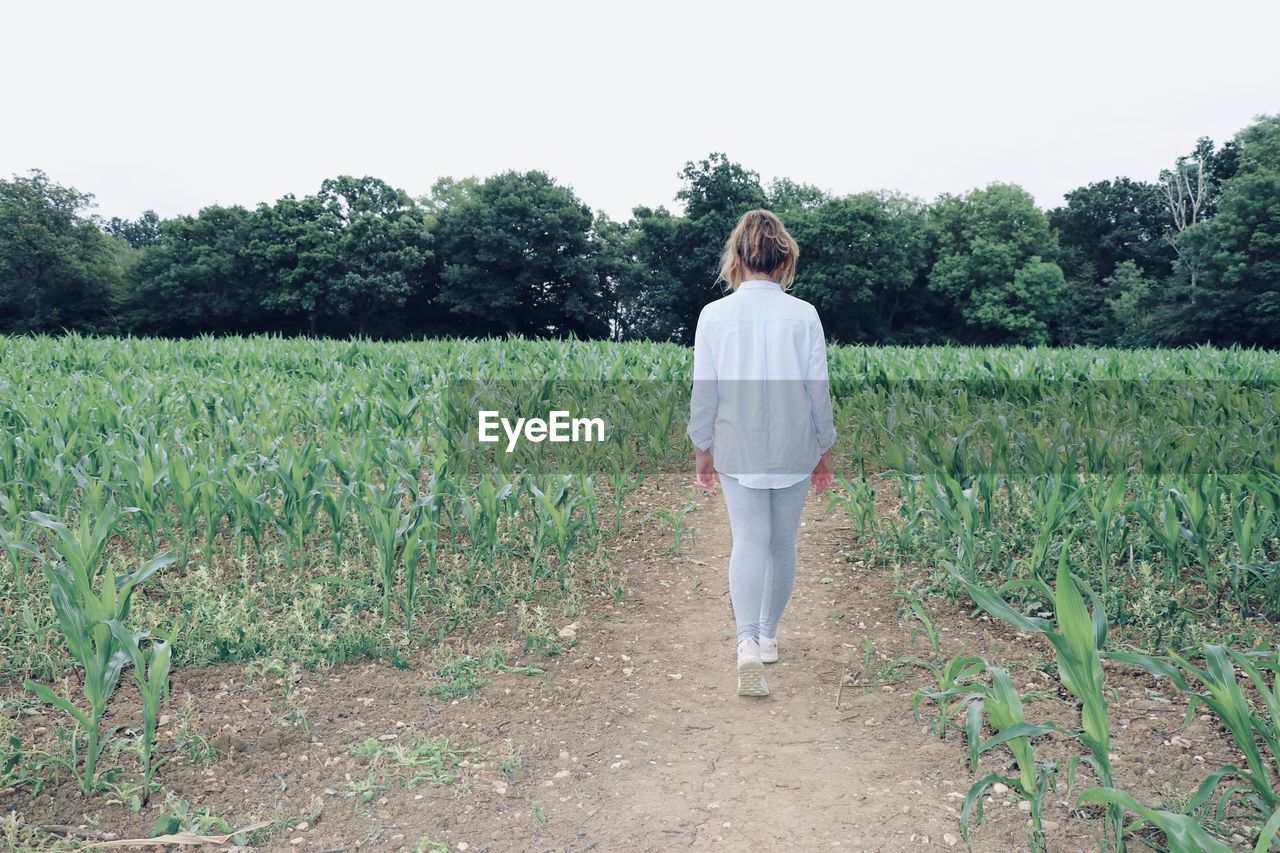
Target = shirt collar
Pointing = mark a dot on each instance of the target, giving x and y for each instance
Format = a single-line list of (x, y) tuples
[(759, 284)]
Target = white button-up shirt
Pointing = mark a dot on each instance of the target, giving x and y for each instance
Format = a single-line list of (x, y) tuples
[(760, 391)]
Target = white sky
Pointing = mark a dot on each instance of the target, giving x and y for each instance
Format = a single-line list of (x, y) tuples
[(176, 105)]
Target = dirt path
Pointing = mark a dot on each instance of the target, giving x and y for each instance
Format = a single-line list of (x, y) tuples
[(637, 740), (707, 768)]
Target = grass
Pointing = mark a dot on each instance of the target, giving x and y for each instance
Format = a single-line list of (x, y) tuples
[(423, 760)]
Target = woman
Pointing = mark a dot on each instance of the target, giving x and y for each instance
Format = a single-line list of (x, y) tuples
[(761, 425)]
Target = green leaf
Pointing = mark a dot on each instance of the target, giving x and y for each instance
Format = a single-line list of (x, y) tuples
[(1153, 665), (166, 824), (1181, 831), (975, 798), (128, 582), (999, 608), (49, 697), (1018, 730), (1268, 833)]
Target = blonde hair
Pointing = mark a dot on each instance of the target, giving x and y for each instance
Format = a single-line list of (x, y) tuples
[(759, 243)]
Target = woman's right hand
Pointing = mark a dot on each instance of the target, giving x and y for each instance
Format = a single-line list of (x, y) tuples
[(823, 476), (705, 471)]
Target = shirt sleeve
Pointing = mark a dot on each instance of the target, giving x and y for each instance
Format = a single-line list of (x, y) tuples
[(818, 386), (703, 399)]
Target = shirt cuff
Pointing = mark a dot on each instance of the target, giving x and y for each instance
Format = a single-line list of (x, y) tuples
[(828, 443)]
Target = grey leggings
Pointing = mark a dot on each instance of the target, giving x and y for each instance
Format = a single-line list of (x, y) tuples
[(762, 565)]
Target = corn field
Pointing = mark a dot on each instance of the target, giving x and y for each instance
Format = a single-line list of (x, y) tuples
[(179, 503)]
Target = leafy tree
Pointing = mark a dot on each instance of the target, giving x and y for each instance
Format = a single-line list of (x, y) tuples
[(1035, 283), (516, 256), (1189, 258), (347, 259), (786, 197), (718, 188), (139, 233), (58, 271), (1238, 252), (1258, 146), (862, 257), (1083, 317), (379, 255), (681, 255), (294, 254), (1107, 222), (1103, 225), (655, 239), (1129, 301), (199, 279), (616, 271), (1192, 190), (996, 264), (447, 191)]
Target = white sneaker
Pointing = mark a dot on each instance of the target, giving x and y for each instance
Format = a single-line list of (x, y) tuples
[(769, 649), (750, 670)]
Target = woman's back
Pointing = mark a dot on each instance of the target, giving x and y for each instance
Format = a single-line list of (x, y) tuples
[(760, 332), (760, 385)]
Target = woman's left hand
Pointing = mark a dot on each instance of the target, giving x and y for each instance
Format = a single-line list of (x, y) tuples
[(705, 471)]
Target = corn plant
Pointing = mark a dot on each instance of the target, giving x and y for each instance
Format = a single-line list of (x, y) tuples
[(1255, 731), (675, 519), (1250, 521), (1247, 529), (442, 482), (422, 536), (386, 521), (297, 472), (953, 678), (482, 510), (141, 472), (858, 499), (1053, 502), (1077, 643), (86, 603), (988, 484), (558, 521), (151, 676), (947, 456), (335, 499), (1181, 832), (249, 511), (589, 529), (184, 475), (1198, 505), (1109, 528), (1002, 707), (899, 461), (1162, 520), (209, 500), (956, 509), (60, 479), (900, 535), (622, 481), (15, 545)]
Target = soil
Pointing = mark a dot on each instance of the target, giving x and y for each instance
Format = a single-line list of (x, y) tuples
[(635, 739)]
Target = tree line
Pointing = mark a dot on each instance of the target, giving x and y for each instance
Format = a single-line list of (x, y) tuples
[(1188, 258)]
